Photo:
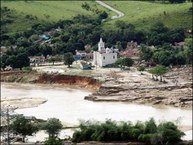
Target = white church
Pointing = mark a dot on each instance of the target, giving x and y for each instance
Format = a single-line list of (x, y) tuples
[(104, 56)]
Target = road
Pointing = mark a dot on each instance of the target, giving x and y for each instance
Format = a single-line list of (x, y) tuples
[(119, 13)]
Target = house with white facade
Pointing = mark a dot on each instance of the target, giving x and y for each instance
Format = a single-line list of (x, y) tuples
[(104, 56)]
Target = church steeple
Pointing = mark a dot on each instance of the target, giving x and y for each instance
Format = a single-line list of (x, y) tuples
[(101, 40), (101, 45)]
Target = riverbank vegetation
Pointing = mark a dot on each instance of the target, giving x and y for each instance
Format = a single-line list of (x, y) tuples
[(148, 132), (109, 131)]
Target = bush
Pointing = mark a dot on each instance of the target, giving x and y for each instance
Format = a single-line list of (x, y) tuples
[(141, 68), (53, 141), (147, 132)]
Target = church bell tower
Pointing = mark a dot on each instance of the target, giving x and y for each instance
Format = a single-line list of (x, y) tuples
[(101, 46)]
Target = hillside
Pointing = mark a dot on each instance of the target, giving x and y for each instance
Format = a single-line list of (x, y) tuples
[(143, 14), (27, 13)]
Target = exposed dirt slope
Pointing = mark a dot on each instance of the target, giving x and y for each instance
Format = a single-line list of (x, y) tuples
[(66, 80)]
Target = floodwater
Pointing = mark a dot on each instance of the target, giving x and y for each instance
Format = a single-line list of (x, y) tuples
[(69, 106)]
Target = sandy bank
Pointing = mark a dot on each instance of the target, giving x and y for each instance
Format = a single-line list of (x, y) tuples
[(115, 85), (22, 102)]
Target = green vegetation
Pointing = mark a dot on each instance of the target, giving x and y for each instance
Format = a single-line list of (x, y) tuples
[(167, 55), (68, 59), (24, 126), (53, 141), (124, 62), (15, 61), (144, 14), (158, 71), (25, 14), (141, 69), (74, 33), (148, 132), (52, 127)]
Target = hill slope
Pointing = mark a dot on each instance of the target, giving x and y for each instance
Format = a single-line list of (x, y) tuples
[(45, 11), (143, 14)]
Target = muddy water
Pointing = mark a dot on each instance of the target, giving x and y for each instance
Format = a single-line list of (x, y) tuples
[(69, 106)]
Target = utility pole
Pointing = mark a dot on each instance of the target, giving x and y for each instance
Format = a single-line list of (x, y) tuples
[(8, 140), (5, 120)]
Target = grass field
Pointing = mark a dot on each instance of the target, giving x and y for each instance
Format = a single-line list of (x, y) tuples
[(143, 14), (46, 11)]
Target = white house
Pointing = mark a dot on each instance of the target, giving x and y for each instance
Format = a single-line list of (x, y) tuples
[(104, 56)]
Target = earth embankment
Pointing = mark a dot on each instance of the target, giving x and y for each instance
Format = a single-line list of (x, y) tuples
[(55, 79)]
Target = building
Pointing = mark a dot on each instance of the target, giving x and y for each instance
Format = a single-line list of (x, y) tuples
[(104, 56)]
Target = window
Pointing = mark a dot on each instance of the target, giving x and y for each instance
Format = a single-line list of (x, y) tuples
[(104, 58), (113, 57)]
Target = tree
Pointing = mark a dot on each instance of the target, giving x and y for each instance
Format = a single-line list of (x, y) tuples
[(11, 60), (159, 71), (163, 57), (53, 127), (188, 50), (54, 59), (45, 50), (124, 62), (121, 24), (150, 127), (85, 6), (3, 60), (22, 60), (68, 59), (145, 53), (170, 133), (24, 126), (103, 15)]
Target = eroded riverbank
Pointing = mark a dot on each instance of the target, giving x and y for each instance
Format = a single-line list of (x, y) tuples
[(113, 85)]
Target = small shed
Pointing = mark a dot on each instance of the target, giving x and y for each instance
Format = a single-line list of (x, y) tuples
[(84, 66)]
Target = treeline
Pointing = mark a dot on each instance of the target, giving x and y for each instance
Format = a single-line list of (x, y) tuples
[(83, 30), (168, 55), (148, 132), (75, 34)]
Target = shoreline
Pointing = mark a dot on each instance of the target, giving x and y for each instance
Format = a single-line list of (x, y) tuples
[(183, 128), (111, 90)]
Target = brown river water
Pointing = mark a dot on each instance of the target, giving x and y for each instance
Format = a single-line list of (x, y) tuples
[(69, 106)]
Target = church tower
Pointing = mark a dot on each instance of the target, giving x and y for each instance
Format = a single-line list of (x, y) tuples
[(101, 46)]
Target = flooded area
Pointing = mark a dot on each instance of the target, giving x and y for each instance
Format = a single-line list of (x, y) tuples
[(69, 106)]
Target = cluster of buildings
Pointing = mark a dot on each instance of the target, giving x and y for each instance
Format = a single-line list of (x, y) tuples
[(102, 57)]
